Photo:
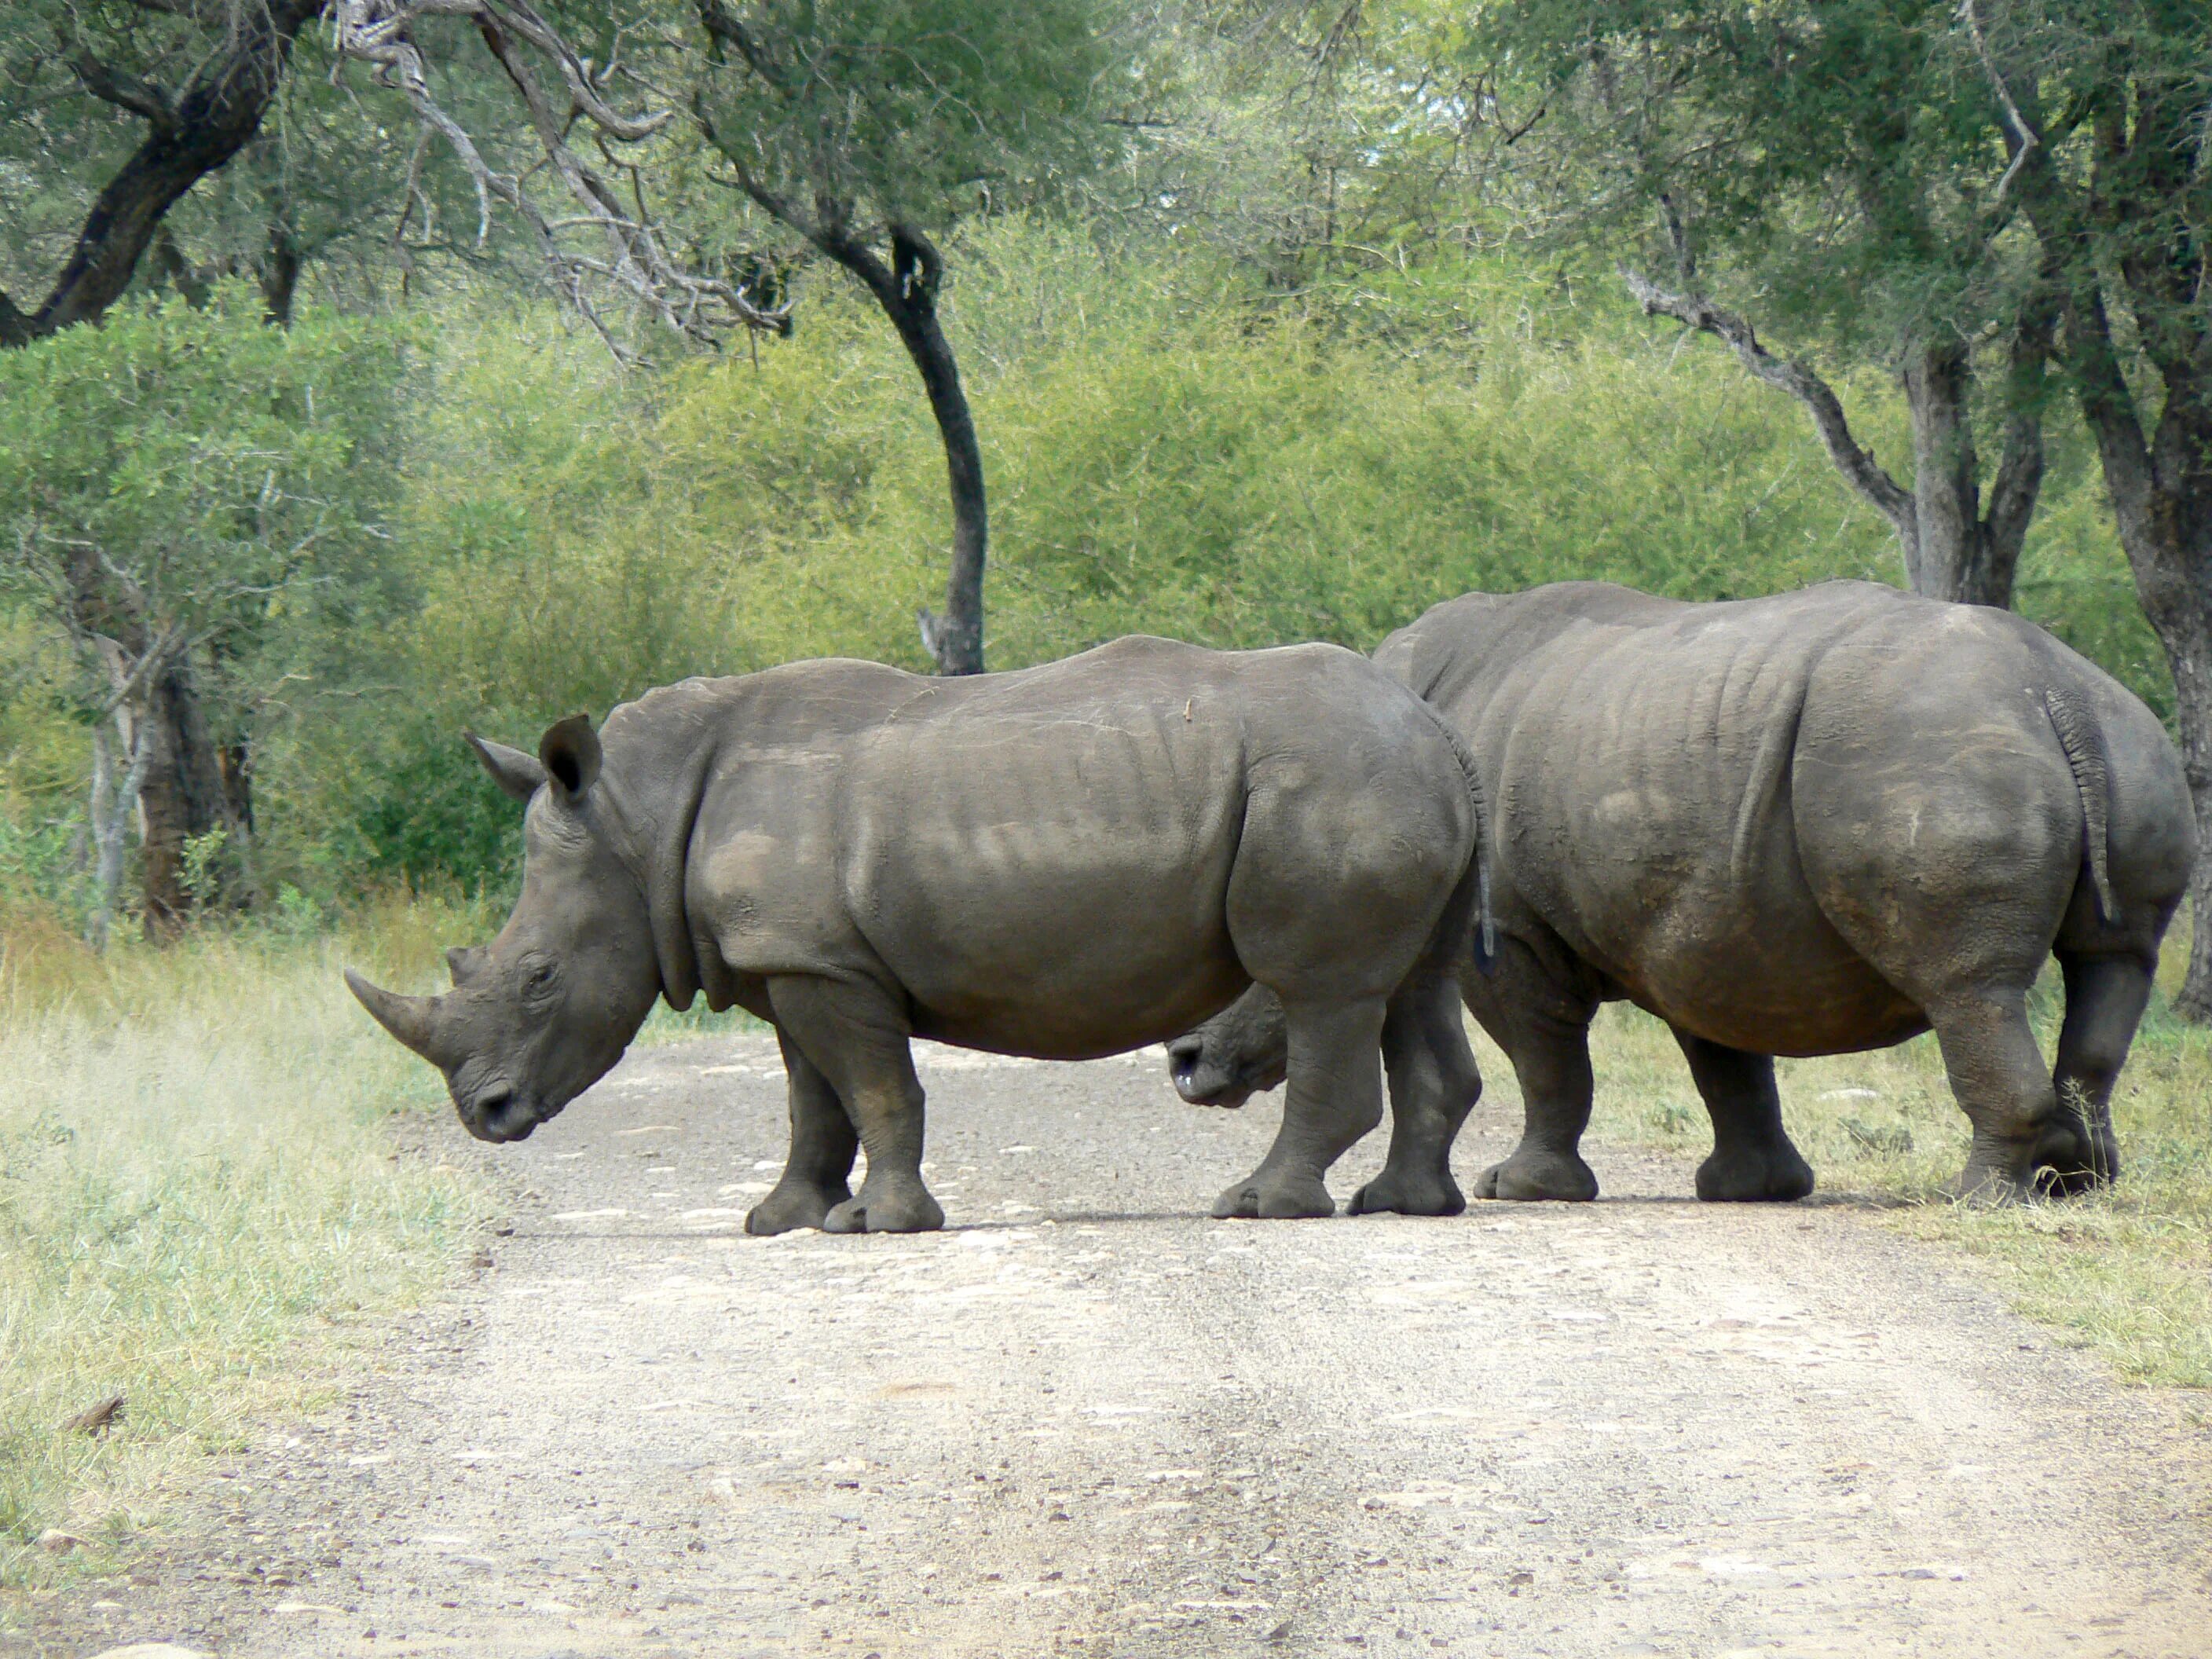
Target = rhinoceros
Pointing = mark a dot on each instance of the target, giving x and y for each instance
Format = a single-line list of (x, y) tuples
[(1809, 824), (1064, 862)]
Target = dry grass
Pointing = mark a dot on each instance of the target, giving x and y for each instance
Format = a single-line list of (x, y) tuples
[(2127, 1273), (194, 1177)]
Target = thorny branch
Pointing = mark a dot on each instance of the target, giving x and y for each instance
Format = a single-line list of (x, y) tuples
[(634, 256)]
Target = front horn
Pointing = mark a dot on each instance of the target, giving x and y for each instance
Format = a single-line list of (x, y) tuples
[(414, 1020)]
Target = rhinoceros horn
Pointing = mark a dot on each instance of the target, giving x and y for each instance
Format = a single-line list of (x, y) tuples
[(416, 1021)]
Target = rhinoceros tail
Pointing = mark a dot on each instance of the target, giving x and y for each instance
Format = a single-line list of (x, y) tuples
[(2084, 743), (1456, 916)]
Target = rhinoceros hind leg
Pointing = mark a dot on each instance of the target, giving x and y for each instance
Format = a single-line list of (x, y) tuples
[(1332, 1096), (1997, 1074), (2104, 998), (1544, 1028), (1434, 1084), (1753, 1160)]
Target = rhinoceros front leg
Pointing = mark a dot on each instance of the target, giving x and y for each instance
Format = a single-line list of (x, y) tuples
[(1434, 1084), (823, 1143), (1752, 1159), (1333, 1096), (855, 1035)]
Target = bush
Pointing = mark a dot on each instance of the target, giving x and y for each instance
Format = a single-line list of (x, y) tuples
[(1164, 455)]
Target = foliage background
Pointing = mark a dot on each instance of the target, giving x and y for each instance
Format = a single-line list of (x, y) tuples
[(1173, 449)]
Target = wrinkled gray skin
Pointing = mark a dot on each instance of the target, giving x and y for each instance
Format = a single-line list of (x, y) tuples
[(1810, 824), (1064, 862)]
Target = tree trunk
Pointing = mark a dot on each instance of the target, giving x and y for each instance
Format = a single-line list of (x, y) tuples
[(106, 812), (1950, 549), (907, 291), (185, 789), (183, 795), (955, 639), (2161, 500), (278, 267)]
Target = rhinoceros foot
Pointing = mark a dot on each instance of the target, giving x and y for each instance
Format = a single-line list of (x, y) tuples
[(1273, 1197), (1754, 1174), (1396, 1193), (885, 1207), (792, 1206), (1536, 1172), (2076, 1155)]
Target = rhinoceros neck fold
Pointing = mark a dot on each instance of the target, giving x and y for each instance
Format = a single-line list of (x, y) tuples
[(647, 808)]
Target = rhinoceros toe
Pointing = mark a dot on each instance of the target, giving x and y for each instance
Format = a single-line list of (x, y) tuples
[(1775, 1173), (1275, 1198), (792, 1206), (1397, 1194), (1538, 1173), (886, 1209)]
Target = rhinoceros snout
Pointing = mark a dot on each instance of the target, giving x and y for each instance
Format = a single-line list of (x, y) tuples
[(499, 1115), (1200, 1080)]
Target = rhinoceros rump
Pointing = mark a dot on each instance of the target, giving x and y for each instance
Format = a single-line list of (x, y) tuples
[(1067, 862), (1809, 824)]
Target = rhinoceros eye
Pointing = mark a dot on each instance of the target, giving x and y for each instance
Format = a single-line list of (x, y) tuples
[(539, 978)]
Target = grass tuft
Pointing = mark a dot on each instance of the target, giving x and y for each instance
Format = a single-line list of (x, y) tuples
[(195, 1172)]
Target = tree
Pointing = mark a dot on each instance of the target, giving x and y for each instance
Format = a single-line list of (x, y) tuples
[(2099, 110), (1822, 152), (192, 496), (488, 95), (199, 76), (868, 125)]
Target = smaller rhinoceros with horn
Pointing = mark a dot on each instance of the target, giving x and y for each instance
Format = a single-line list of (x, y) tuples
[(1809, 824), (1063, 862)]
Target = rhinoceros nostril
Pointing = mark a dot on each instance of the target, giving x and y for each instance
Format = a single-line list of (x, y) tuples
[(496, 1115)]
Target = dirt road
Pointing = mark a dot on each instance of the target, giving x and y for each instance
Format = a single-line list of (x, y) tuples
[(1088, 1420)]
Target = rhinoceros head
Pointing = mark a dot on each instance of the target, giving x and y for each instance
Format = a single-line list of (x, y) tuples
[(539, 1015), (1242, 1051)]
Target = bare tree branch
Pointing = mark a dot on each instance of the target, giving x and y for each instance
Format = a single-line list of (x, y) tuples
[(635, 260), (1864, 473), (2020, 137)]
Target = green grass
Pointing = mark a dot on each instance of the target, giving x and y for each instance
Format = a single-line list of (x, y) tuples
[(198, 1190), (2126, 1273)]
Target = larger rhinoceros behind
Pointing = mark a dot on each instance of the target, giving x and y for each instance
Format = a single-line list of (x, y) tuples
[(1064, 862), (1807, 824)]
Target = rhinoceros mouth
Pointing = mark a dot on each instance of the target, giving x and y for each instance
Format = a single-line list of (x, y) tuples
[(1211, 1089)]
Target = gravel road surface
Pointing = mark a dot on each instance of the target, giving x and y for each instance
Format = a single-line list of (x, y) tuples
[(1086, 1419)]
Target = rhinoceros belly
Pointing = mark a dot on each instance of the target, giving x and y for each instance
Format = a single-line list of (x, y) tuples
[(1052, 887)]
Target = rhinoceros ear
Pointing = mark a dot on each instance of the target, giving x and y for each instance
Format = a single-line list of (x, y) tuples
[(517, 773), (571, 751)]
